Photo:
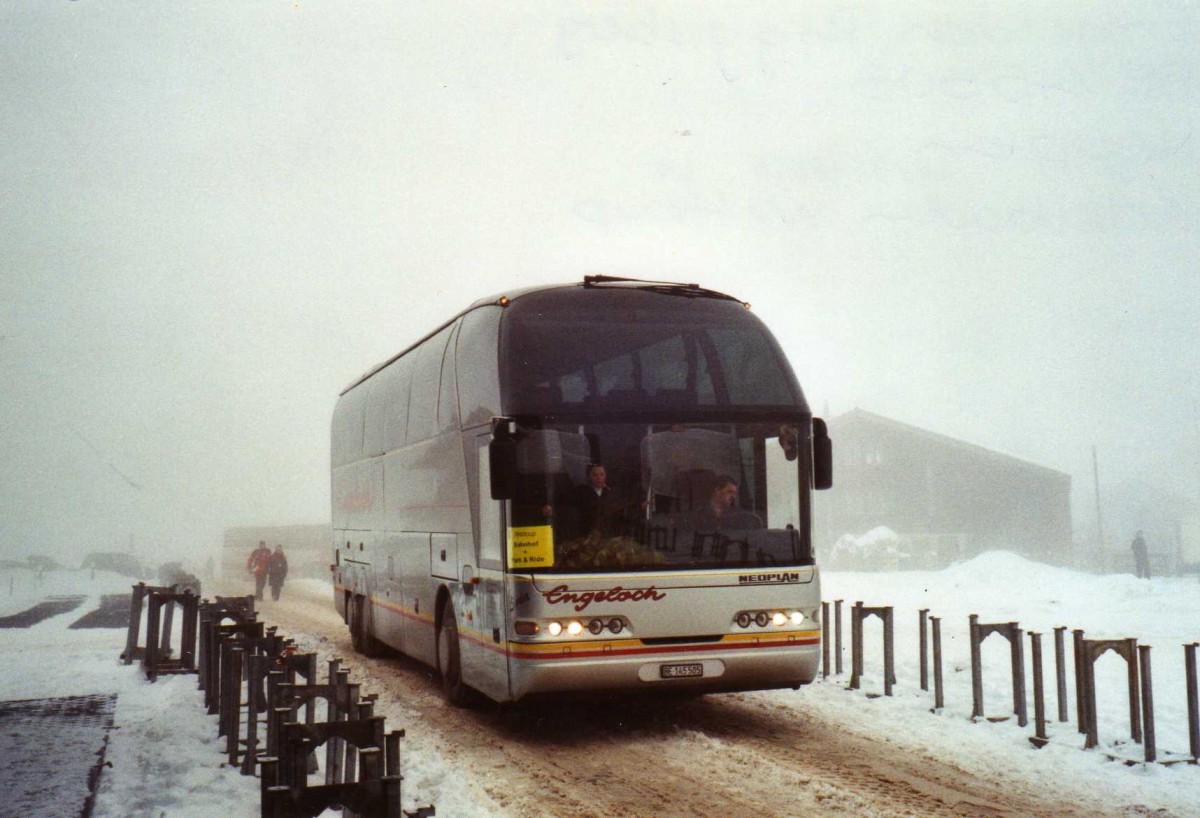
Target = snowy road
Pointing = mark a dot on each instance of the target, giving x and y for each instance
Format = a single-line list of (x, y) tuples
[(718, 755)]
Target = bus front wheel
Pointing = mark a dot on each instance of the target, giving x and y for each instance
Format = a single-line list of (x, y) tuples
[(449, 658)]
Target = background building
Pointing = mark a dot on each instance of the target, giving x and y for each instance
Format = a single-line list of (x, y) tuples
[(921, 499)]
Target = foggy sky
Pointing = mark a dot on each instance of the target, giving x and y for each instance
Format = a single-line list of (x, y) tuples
[(979, 219)]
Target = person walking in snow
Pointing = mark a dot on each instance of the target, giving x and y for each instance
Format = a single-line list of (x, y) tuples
[(257, 564), (1141, 558), (277, 572)]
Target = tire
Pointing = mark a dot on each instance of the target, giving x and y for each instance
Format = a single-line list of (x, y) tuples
[(356, 619), (449, 659), (352, 617)]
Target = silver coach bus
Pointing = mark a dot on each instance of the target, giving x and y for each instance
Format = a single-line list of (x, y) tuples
[(588, 487)]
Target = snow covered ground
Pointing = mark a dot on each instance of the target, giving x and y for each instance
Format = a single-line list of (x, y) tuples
[(167, 761)]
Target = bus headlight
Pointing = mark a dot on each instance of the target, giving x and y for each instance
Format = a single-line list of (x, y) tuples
[(574, 628), (554, 628), (797, 618), (743, 620), (778, 619)]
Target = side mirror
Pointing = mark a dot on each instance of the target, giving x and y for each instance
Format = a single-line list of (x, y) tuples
[(822, 448), (502, 459)]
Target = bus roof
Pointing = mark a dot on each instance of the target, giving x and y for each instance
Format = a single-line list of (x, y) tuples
[(589, 282)]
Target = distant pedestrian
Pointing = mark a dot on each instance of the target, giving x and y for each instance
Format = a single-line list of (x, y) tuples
[(257, 565), (1141, 558), (277, 572)]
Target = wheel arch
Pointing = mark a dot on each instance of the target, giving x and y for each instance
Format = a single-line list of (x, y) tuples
[(442, 599)]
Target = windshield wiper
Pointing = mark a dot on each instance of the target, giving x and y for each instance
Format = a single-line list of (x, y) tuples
[(665, 287)]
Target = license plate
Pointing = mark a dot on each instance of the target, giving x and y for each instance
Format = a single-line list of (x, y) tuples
[(682, 671)]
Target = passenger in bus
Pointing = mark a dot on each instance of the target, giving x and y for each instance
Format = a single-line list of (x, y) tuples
[(593, 506)]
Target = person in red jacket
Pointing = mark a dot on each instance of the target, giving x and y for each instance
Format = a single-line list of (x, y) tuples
[(257, 564)]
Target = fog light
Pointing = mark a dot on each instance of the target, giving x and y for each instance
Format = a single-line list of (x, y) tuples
[(596, 626), (574, 628), (797, 618), (778, 619), (616, 625), (761, 619), (526, 628), (555, 628), (743, 620)]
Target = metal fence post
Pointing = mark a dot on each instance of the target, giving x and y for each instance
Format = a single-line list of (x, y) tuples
[(1193, 701), (976, 668), (824, 640), (856, 640), (1080, 682), (1020, 704), (923, 615), (135, 622), (889, 651), (1060, 670), (233, 707), (938, 700), (1151, 752), (1040, 738), (1135, 703), (164, 647), (837, 636)]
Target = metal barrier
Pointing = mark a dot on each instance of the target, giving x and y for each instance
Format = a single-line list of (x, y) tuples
[(213, 615), (1086, 652), (1089, 651), (245, 667), (1012, 632), (858, 613), (157, 657), (362, 770)]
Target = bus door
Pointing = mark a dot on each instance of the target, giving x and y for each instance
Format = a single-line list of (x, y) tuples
[(485, 663)]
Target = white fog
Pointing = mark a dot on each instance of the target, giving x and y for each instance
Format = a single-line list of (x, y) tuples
[(971, 228), (976, 220)]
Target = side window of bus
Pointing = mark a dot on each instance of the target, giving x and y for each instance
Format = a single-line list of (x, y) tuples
[(448, 393), (347, 443), (423, 405), (387, 407), (752, 376), (477, 363)]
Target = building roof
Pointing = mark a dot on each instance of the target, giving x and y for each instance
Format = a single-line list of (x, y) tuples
[(861, 416)]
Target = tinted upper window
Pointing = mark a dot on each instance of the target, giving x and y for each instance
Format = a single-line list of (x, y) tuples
[(623, 349)]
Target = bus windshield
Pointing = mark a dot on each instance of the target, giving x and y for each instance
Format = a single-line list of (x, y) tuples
[(660, 496), (569, 353)]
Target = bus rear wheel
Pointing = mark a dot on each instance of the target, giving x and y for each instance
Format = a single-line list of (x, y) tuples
[(449, 659), (356, 619)]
